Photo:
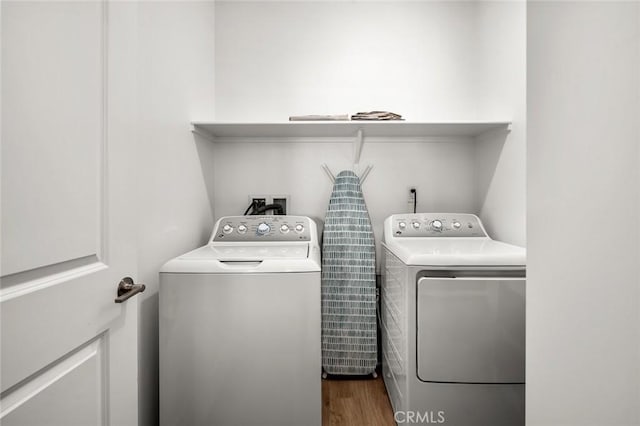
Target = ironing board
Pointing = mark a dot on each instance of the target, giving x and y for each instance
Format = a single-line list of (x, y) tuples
[(349, 341)]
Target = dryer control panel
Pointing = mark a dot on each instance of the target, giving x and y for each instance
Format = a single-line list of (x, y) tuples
[(262, 228), (437, 225)]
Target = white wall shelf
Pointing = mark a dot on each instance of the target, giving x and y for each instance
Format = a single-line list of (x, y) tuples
[(356, 132), (295, 130)]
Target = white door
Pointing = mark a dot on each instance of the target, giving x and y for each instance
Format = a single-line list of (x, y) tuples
[(69, 353)]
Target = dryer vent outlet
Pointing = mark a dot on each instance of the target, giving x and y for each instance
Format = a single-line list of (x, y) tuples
[(261, 200), (282, 202)]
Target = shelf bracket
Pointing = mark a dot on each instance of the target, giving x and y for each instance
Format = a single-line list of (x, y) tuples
[(357, 148)]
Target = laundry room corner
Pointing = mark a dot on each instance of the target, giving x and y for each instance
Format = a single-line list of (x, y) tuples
[(175, 84), (502, 91)]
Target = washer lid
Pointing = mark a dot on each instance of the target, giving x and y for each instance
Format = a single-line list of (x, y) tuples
[(254, 244), (247, 258), (456, 252)]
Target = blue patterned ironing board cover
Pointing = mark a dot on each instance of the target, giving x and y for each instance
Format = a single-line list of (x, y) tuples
[(349, 341)]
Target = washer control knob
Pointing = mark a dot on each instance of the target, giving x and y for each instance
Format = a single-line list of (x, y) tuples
[(416, 225), (263, 228), (227, 229), (299, 228), (436, 225), (402, 225), (242, 229), (284, 228), (456, 225)]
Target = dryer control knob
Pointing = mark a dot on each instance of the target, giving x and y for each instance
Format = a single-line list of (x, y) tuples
[(402, 225), (284, 228), (436, 225), (416, 225), (227, 229), (263, 228), (242, 229), (456, 225), (299, 228)]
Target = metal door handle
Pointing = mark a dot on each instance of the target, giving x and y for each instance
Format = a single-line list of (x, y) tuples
[(127, 288)]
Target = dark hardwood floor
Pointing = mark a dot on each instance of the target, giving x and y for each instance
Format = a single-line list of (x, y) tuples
[(355, 403)]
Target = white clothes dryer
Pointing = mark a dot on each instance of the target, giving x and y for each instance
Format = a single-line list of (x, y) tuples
[(453, 322), (240, 326)]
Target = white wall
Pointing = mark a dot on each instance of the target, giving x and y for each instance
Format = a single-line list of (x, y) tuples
[(175, 84), (583, 297), (276, 59), (425, 60), (500, 162)]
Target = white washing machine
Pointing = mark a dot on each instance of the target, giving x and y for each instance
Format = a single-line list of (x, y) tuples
[(453, 322), (240, 326)]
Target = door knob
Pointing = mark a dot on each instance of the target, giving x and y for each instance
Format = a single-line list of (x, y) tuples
[(126, 289)]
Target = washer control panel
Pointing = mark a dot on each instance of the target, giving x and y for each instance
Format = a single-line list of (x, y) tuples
[(437, 225), (262, 228)]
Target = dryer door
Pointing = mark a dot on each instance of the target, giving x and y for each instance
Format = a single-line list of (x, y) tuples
[(471, 327)]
